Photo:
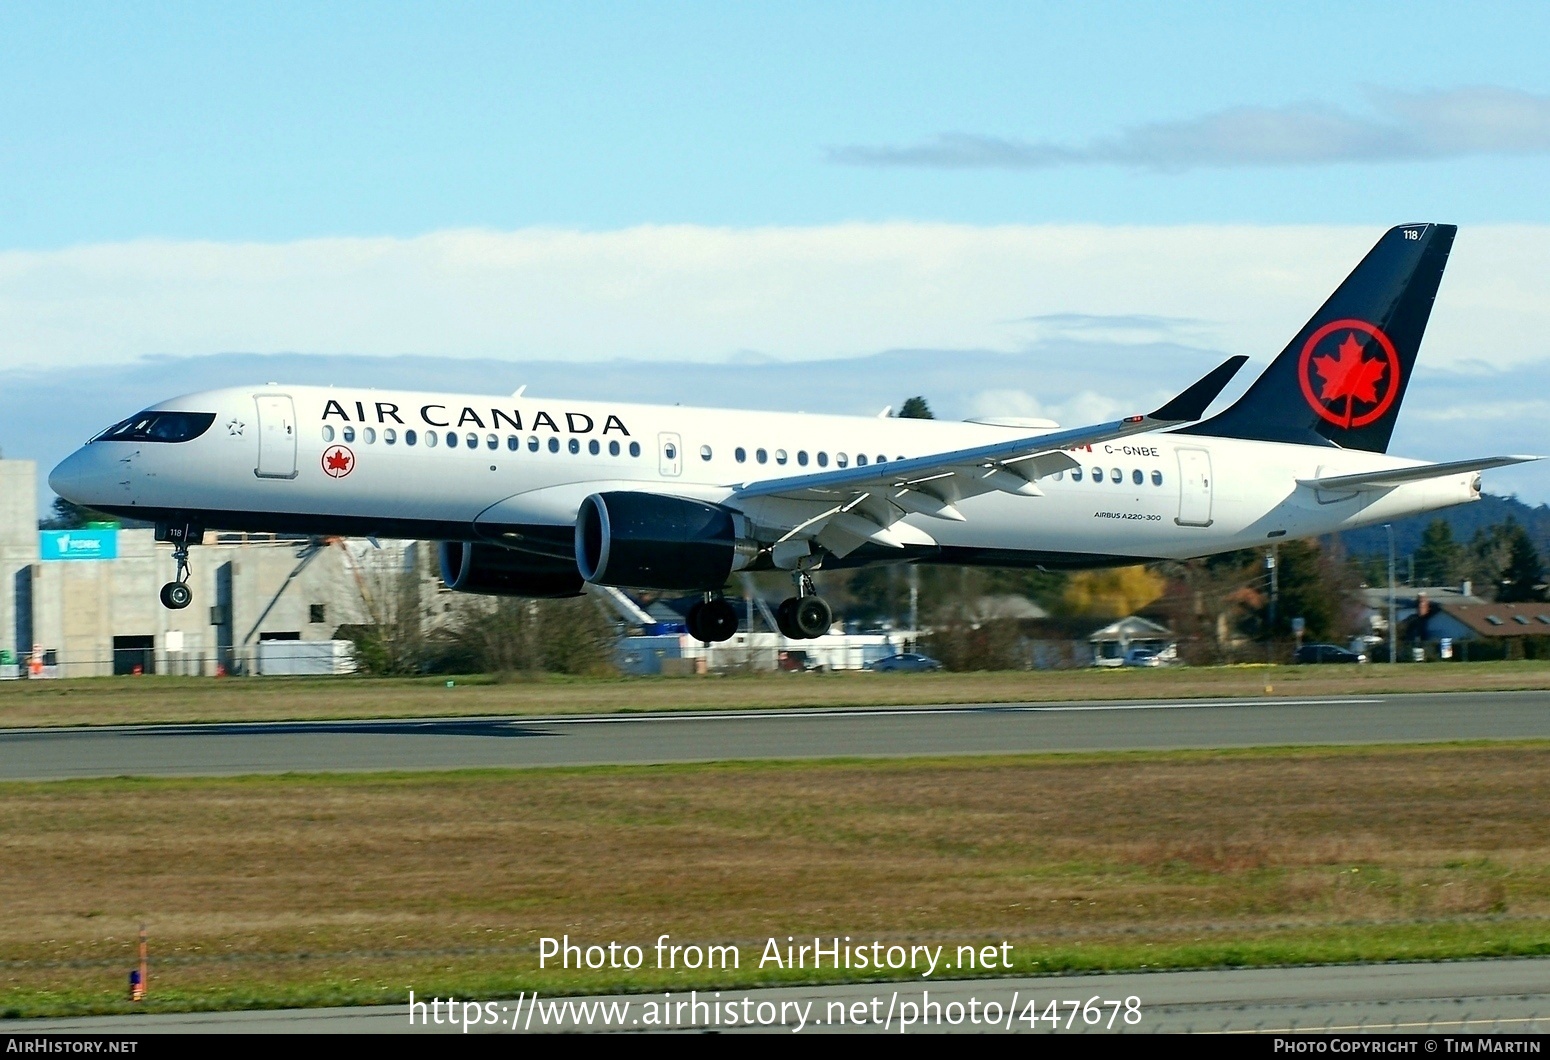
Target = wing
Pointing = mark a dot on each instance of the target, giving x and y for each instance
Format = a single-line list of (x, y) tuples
[(843, 509), (1390, 477)]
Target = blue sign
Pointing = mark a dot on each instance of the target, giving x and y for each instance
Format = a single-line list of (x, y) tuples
[(78, 544)]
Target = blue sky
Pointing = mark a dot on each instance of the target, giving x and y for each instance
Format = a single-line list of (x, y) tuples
[(282, 121), (210, 192)]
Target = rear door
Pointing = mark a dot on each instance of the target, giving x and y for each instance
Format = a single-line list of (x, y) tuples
[(1194, 488), (276, 436)]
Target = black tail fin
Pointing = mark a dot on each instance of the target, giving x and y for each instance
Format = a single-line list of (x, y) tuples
[(1343, 377)]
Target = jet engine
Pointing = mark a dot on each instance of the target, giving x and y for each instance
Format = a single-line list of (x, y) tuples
[(648, 541), (477, 567)]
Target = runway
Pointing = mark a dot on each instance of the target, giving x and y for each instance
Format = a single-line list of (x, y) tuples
[(1448, 998), (457, 743)]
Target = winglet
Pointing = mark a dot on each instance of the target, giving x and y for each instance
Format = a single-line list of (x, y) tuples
[(1192, 404)]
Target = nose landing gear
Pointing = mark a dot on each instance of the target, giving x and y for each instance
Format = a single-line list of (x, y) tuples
[(807, 615), (176, 595)]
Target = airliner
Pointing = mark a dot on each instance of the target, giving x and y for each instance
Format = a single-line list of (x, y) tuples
[(539, 497)]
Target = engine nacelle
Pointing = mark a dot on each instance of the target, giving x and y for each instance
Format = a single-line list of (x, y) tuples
[(648, 541), (477, 567)]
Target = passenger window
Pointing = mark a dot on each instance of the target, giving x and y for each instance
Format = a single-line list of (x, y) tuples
[(780, 456), (1097, 474), (513, 442), (635, 449), (593, 447), (1057, 476), (328, 433), (574, 445), (471, 440), (554, 445), (704, 452), (390, 436), (1117, 475), (1076, 474), (613, 447), (670, 451), (368, 435), (761, 456), (881, 459), (452, 439), (431, 438), (409, 437), (1137, 476), (861, 460), (1157, 478), (492, 441), (740, 455), (823, 459), (532, 443), (349, 434), (802, 457), (841, 460)]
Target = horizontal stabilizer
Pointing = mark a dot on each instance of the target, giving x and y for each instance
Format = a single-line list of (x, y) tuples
[(1395, 476)]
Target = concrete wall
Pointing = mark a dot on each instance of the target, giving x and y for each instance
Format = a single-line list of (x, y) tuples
[(18, 550)]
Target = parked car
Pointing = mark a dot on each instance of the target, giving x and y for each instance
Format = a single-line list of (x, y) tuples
[(1327, 653), (1142, 657), (909, 662)]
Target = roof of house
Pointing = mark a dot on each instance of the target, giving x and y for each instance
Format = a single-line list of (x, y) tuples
[(1501, 620), (1405, 596), (1131, 627)]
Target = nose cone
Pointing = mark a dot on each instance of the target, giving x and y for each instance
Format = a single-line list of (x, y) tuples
[(81, 478)]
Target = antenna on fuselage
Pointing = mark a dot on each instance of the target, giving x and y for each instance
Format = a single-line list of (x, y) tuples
[(518, 392)]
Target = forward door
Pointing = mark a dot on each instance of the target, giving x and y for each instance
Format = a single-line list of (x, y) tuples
[(276, 436)]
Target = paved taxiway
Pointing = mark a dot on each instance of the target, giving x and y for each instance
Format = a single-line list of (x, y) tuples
[(455, 743), (1454, 997)]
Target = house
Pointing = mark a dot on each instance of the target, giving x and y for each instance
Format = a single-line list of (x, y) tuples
[(1504, 626), (1113, 642)]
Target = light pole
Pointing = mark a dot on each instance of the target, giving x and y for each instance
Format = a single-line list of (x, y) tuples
[(1394, 633)]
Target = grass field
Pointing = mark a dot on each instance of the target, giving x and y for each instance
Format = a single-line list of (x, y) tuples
[(353, 889), (106, 701)]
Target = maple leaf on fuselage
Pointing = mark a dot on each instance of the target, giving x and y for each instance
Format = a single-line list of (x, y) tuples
[(337, 461), (1348, 375)]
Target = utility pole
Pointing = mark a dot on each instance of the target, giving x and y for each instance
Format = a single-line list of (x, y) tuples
[(1394, 631), (1270, 625), (914, 605)]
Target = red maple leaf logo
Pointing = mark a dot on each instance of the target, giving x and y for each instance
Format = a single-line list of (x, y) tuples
[(1349, 375), (1364, 362), (337, 461)]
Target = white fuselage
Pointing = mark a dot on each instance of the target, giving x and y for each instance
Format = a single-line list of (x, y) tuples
[(521, 461)]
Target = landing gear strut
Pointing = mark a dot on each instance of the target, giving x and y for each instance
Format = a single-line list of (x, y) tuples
[(712, 619), (806, 615), (176, 595)]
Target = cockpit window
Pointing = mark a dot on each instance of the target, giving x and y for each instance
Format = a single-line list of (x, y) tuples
[(159, 427)]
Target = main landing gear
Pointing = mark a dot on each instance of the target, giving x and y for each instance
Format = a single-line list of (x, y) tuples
[(712, 619), (176, 595), (806, 615)]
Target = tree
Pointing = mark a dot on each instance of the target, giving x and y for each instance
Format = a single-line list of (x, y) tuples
[(1440, 559), (1317, 584), (1112, 593), (915, 408), (1522, 579), (71, 516)]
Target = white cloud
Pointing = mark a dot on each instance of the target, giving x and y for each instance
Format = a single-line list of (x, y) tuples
[(705, 294), (1405, 127)]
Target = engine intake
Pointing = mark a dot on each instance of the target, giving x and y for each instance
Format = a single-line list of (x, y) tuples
[(478, 567), (648, 541)]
